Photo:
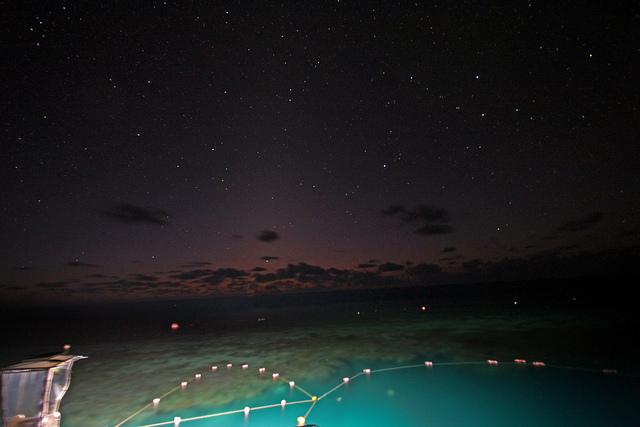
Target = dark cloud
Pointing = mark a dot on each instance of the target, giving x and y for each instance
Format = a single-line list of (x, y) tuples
[(425, 213), (144, 278), (581, 224), (303, 272), (220, 275), (269, 258), (267, 277), (451, 257), (366, 265), (130, 214), (53, 285), (449, 249), (434, 229), (267, 236), (393, 210), (97, 276), (23, 268), (80, 264), (390, 266), (237, 236), (305, 269), (563, 261), (195, 264), (423, 273), (192, 274), (433, 219)]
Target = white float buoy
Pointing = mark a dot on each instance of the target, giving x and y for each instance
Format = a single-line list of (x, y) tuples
[(246, 411), (367, 371), (275, 375), (283, 403), (176, 421), (229, 365), (428, 364), (183, 384), (345, 380), (214, 368), (156, 402), (245, 366), (198, 377), (261, 370), (292, 384), (301, 421)]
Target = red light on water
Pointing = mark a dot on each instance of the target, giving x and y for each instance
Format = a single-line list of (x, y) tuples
[(537, 363), (520, 361), (175, 326)]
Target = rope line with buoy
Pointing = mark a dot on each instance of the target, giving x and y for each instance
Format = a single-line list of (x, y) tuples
[(314, 399)]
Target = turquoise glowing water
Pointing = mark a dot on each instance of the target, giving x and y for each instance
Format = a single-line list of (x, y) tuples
[(318, 347), (121, 377), (442, 396)]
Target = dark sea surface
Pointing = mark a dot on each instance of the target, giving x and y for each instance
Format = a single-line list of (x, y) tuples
[(577, 327)]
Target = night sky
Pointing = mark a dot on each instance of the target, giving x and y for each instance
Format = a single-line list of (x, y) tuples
[(166, 149)]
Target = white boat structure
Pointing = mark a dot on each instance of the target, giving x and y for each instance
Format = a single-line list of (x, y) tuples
[(32, 390)]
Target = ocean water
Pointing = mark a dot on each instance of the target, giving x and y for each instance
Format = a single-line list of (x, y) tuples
[(319, 345)]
